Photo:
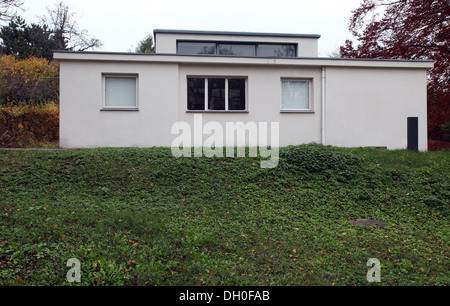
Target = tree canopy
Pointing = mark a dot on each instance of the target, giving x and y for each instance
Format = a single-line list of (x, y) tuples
[(25, 41), (57, 31), (66, 31), (146, 45)]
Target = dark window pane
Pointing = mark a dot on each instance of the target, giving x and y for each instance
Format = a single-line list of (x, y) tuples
[(216, 94), (196, 48), (269, 50), (237, 49), (236, 94), (196, 94)]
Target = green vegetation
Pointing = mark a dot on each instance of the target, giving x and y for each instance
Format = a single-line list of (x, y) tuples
[(143, 217)]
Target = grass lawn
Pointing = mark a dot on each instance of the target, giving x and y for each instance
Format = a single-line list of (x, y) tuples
[(143, 217)]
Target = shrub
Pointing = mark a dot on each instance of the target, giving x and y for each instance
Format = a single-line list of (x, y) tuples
[(438, 145), (315, 158), (32, 79), (28, 125)]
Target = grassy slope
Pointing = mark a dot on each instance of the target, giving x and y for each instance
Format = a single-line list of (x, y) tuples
[(140, 216)]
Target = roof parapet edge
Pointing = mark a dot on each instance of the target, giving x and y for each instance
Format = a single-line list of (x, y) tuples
[(231, 33)]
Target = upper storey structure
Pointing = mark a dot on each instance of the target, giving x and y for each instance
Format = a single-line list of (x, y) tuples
[(241, 44)]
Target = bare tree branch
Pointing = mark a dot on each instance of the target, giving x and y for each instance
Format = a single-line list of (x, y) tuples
[(8, 9), (62, 23)]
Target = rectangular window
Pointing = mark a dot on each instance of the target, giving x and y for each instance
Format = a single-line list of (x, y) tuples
[(120, 92), (295, 95), (237, 49), (196, 94), (196, 48), (231, 48), (216, 94), (236, 94), (270, 50)]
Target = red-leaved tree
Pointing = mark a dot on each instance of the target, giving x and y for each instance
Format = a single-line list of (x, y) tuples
[(408, 29)]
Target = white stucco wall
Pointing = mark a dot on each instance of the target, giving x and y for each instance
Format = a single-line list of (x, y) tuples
[(84, 125), (263, 100), (369, 107), (367, 102)]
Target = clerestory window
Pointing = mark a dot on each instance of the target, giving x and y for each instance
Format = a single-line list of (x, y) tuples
[(236, 49)]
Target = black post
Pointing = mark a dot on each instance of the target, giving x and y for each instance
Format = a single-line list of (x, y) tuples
[(413, 134)]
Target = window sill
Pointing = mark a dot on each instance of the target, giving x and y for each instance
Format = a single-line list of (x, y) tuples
[(120, 109), (217, 111), (307, 111)]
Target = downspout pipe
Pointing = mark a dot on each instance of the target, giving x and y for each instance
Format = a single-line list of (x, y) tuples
[(323, 98)]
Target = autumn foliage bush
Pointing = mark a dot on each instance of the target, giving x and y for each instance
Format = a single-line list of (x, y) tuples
[(29, 125), (29, 112), (32, 79)]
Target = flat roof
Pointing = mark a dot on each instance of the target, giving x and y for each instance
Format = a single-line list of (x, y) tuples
[(229, 33), (235, 60)]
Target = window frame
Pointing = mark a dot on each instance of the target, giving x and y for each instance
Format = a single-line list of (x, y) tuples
[(231, 42), (206, 94), (310, 108), (124, 107)]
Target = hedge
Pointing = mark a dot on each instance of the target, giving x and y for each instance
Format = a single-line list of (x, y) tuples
[(29, 125)]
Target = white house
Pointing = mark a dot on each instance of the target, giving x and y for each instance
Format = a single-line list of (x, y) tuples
[(133, 100)]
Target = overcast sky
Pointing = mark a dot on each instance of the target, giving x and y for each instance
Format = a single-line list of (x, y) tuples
[(121, 24)]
